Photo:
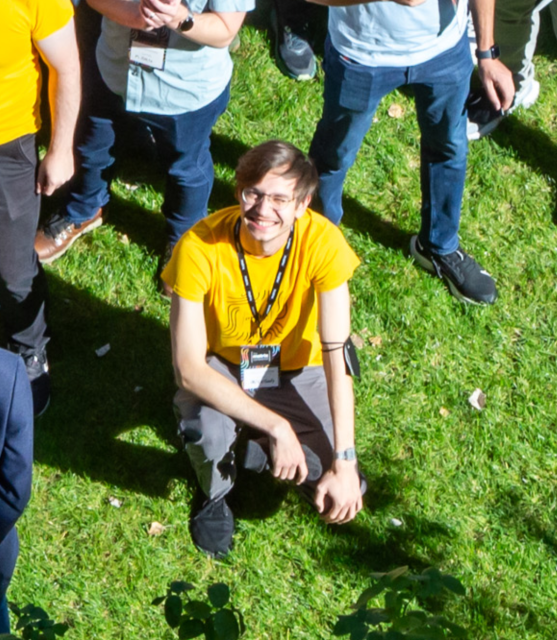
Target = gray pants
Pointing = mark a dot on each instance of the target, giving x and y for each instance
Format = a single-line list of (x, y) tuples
[(210, 436)]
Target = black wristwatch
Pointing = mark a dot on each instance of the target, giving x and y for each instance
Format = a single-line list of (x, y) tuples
[(188, 23), (491, 54)]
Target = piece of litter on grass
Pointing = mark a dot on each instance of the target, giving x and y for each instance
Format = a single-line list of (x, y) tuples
[(156, 529), (102, 351), (477, 399), (444, 412), (124, 239), (395, 111), (114, 502), (357, 340), (396, 522), (138, 389), (377, 358), (131, 187), (376, 341)]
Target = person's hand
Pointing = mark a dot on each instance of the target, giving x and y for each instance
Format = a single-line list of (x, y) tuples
[(338, 497), (54, 171), (498, 83), (160, 13), (289, 461)]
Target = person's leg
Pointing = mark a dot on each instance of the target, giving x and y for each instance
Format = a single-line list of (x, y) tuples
[(351, 95), (88, 190), (516, 29), (23, 286), (441, 88), (183, 143), (209, 437)]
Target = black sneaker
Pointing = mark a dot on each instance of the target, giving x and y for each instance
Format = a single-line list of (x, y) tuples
[(294, 54), (483, 118), (212, 528), (467, 281), (36, 366)]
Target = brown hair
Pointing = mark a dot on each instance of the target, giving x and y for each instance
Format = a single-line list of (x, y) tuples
[(254, 165)]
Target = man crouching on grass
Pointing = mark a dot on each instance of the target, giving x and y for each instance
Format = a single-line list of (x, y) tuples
[(260, 325)]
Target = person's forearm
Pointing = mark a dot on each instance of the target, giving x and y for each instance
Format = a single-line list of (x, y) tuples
[(483, 12), (64, 87), (341, 398), (124, 12), (225, 396)]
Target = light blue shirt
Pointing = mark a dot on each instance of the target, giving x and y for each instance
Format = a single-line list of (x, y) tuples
[(193, 76), (388, 34)]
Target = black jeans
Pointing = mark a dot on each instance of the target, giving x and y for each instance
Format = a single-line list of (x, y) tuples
[(23, 287)]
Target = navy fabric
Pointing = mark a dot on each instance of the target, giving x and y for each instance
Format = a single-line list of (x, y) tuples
[(352, 93), (16, 457)]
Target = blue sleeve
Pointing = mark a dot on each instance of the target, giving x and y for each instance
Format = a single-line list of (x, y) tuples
[(16, 438)]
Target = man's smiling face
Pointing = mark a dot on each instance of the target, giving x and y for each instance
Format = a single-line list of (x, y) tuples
[(269, 208)]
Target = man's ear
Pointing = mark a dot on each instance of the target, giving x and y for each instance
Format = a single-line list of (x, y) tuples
[(301, 208)]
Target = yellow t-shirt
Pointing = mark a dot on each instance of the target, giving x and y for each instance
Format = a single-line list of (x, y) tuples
[(204, 268), (22, 22)]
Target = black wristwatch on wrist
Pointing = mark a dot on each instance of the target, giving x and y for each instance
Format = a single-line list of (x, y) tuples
[(188, 23), (490, 54)]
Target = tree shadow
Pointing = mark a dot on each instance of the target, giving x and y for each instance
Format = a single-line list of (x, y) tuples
[(532, 146)]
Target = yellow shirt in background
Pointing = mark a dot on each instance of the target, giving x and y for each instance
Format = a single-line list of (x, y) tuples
[(21, 23), (204, 268)]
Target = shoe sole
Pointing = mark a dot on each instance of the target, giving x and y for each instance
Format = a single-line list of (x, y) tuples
[(55, 256), (428, 266)]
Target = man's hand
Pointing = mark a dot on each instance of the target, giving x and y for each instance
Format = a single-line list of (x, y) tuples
[(161, 13), (498, 83), (54, 171), (289, 461), (338, 497)]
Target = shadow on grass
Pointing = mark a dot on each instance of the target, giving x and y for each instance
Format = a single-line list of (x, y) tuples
[(96, 400), (532, 146)]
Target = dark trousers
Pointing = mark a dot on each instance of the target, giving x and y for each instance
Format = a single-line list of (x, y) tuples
[(23, 287), (182, 142)]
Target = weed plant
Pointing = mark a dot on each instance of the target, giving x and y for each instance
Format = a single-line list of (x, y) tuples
[(470, 492)]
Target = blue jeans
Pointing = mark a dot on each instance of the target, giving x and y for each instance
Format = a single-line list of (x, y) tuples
[(352, 94), (183, 145)]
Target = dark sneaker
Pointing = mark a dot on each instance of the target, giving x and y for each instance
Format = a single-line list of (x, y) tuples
[(36, 366), (294, 54), (59, 233), (483, 118), (212, 528), (467, 281)]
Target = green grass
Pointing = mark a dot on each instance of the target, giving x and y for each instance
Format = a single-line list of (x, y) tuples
[(475, 491)]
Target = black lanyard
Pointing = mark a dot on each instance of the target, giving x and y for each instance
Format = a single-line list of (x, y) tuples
[(247, 282)]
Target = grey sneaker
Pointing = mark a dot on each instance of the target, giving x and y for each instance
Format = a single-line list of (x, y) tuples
[(293, 53), (467, 281)]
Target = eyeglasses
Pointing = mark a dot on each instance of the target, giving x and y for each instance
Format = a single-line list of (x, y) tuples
[(253, 197)]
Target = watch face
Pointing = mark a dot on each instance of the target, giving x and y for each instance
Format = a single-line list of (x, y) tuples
[(187, 24)]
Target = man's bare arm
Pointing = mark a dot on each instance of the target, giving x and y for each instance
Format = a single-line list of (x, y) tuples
[(214, 29), (189, 350), (59, 51), (341, 484), (496, 78)]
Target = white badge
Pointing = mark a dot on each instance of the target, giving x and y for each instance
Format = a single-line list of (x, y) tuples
[(148, 48), (260, 366)]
